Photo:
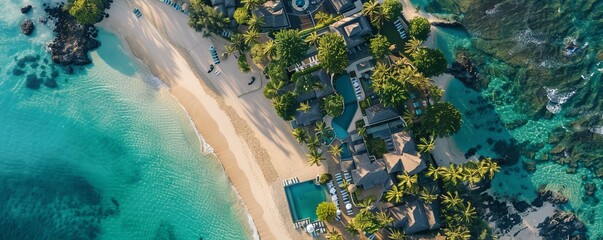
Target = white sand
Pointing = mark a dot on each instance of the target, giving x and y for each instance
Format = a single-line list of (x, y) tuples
[(253, 144)]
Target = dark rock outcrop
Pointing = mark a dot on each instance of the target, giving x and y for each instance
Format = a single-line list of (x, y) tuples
[(26, 9), (73, 40), (27, 27), (466, 71), (562, 225), (548, 196)]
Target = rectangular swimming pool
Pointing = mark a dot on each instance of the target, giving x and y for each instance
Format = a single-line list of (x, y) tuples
[(303, 198)]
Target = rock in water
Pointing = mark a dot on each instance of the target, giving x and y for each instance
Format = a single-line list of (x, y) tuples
[(73, 40), (27, 27), (26, 9)]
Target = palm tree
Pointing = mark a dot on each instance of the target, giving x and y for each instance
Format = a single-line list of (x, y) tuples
[(452, 174), (379, 17), (344, 184), (238, 42), (407, 182), (313, 143), (269, 50), (428, 194), (394, 194), (366, 204), (383, 218), (251, 37), (412, 45), (336, 150), (361, 132), (409, 118), (351, 228), (272, 88), (230, 49), (426, 145), (370, 8), (452, 201), (312, 39), (315, 157), (334, 235), (251, 5), (320, 127), (469, 213), (322, 17), (395, 234), (255, 22), (301, 135), (457, 233), (493, 167), (304, 107), (433, 172)]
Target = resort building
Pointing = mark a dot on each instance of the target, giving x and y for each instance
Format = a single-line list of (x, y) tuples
[(378, 114), (416, 216), (342, 6), (405, 157), (226, 8), (305, 119), (369, 174), (274, 14), (353, 29)]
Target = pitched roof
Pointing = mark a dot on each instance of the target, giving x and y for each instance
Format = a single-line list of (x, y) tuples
[(342, 5), (305, 119), (274, 15), (405, 157), (416, 216), (352, 28), (378, 113), (369, 174), (346, 165)]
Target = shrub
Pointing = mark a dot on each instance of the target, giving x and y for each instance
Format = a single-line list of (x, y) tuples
[(324, 178), (333, 105), (241, 15), (419, 28), (285, 106), (431, 62), (326, 211), (379, 46), (243, 65), (87, 11)]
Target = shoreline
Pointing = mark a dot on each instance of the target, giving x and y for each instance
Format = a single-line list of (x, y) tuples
[(242, 130)]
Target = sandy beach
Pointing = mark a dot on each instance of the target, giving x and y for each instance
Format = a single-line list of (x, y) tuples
[(253, 144)]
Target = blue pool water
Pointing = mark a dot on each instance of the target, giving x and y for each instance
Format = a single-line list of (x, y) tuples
[(346, 154), (300, 3), (340, 124), (303, 198)]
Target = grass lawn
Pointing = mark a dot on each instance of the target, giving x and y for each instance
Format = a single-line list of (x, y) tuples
[(391, 33)]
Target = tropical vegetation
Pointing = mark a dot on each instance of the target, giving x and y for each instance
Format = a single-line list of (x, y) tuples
[(442, 119), (379, 46), (332, 53), (326, 211), (290, 46), (87, 11), (333, 105), (419, 28), (431, 62), (285, 105), (204, 17)]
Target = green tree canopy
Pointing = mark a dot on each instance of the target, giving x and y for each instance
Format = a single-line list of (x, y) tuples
[(332, 53), (306, 83), (442, 119), (379, 46), (285, 106), (290, 46), (392, 7), (390, 90), (241, 15), (276, 72), (367, 221), (333, 105), (203, 16), (419, 28), (431, 62), (326, 211), (243, 65), (87, 11)]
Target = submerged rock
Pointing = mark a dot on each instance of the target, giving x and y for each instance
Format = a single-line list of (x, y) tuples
[(26, 9), (562, 225), (33, 82), (27, 27)]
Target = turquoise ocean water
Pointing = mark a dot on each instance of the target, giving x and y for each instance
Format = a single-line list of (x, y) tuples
[(484, 115), (107, 154)]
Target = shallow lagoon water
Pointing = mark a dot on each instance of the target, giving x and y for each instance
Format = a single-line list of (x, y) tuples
[(107, 154)]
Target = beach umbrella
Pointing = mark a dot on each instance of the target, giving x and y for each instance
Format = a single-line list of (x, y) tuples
[(334, 198), (333, 190), (348, 206), (310, 228), (352, 188), (338, 212)]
